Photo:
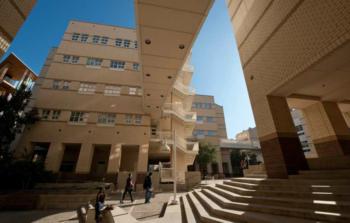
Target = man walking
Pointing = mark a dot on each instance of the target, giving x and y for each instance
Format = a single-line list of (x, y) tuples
[(129, 187), (147, 186)]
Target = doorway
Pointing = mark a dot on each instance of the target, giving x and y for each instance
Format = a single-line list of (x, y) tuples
[(70, 157), (99, 162)]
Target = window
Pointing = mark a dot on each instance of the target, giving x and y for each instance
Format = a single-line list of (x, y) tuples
[(211, 133), (135, 44), (65, 85), (111, 90), (95, 39), (106, 118), (55, 84), (299, 128), (95, 62), (77, 117), (56, 114), (75, 59), (132, 90), (126, 43), (118, 42), (84, 38), (119, 65), (104, 40), (128, 119), (75, 36), (138, 119), (45, 114), (135, 66), (86, 88), (210, 119), (200, 118), (66, 58)]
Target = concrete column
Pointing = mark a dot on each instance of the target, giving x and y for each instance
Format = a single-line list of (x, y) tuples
[(3, 72), (328, 128), (281, 148), (143, 158), (347, 118), (24, 76), (54, 156), (219, 161), (114, 159), (85, 158)]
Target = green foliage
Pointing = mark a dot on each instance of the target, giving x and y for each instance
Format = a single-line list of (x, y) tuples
[(236, 158), (206, 154)]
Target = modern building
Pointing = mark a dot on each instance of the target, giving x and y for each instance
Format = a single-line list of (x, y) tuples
[(14, 73), (13, 13), (249, 136), (210, 127), (110, 102), (294, 54)]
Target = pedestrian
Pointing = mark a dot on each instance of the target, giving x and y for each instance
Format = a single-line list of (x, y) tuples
[(147, 186), (129, 187), (99, 205)]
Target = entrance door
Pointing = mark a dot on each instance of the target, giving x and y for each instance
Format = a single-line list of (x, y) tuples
[(100, 161)]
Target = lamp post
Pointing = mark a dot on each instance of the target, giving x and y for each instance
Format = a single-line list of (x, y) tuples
[(165, 147)]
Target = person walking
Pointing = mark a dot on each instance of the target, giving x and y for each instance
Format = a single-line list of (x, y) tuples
[(129, 187), (99, 205), (147, 186)]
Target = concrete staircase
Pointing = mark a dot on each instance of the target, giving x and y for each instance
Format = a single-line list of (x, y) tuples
[(311, 196)]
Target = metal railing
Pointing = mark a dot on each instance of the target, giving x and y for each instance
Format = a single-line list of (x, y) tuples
[(187, 90), (11, 82), (178, 110)]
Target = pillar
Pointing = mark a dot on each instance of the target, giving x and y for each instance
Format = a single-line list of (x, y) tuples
[(280, 145), (219, 161), (328, 129), (3, 72), (114, 159), (85, 159), (54, 157)]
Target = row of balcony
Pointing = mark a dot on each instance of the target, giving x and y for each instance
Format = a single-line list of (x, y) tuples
[(181, 143), (184, 89), (178, 110)]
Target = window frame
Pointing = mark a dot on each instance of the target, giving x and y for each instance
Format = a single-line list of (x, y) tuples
[(117, 65), (112, 90), (106, 119), (87, 88), (78, 117)]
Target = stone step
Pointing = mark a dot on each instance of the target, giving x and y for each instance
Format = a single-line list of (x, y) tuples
[(243, 216), (276, 210), (330, 196), (328, 206), (264, 181), (200, 212), (188, 216), (325, 172), (291, 186)]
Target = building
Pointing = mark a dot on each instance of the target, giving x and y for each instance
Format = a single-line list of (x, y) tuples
[(249, 136), (294, 54), (303, 134), (210, 127), (109, 102), (14, 73), (13, 13)]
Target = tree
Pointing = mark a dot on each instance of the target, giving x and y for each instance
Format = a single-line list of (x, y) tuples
[(206, 154), (13, 117)]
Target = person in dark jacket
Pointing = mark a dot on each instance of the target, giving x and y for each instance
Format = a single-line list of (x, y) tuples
[(129, 187), (147, 186), (99, 205)]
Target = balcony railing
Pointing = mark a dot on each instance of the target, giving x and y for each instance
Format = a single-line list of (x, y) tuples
[(187, 90), (11, 82), (188, 68), (178, 110)]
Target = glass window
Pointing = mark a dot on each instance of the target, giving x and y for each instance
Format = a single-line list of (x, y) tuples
[(135, 66), (55, 84), (65, 85), (211, 133), (111, 90), (75, 36), (116, 64), (200, 118), (210, 119), (77, 117), (299, 128), (126, 43), (75, 59), (135, 44), (128, 119), (86, 88), (56, 114), (118, 42), (104, 40), (96, 62), (138, 119), (132, 90), (45, 114), (106, 118), (95, 39), (84, 38), (66, 58)]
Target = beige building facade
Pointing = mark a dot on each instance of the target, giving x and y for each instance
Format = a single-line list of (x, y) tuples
[(13, 13), (295, 55), (110, 98), (210, 128)]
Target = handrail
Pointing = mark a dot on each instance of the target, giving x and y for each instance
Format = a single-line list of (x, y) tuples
[(178, 110), (185, 89)]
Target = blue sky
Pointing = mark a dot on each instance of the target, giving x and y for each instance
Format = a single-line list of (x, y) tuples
[(215, 57)]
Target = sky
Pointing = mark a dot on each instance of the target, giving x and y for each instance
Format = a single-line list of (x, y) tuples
[(215, 56)]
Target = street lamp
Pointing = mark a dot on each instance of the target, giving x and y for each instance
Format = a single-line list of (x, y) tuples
[(165, 147)]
